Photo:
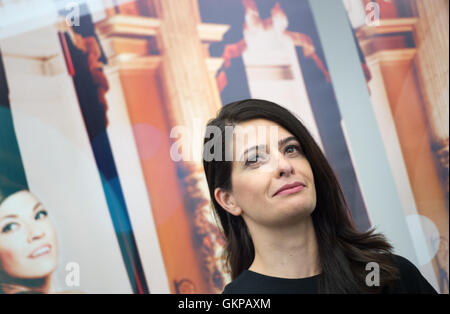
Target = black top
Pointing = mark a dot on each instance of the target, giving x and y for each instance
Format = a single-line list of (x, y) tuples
[(250, 282)]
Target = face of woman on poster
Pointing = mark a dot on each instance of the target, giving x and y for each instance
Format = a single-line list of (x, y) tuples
[(258, 175), (28, 244)]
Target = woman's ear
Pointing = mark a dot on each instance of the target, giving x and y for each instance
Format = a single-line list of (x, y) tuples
[(227, 201)]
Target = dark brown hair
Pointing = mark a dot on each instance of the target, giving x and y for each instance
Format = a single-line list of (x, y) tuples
[(344, 252)]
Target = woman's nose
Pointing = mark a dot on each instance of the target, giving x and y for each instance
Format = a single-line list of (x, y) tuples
[(35, 233), (283, 166)]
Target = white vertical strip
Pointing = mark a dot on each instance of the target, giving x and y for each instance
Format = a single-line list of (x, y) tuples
[(388, 132), (276, 76), (367, 147), (129, 168)]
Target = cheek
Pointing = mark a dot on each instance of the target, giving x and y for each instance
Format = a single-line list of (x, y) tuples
[(304, 168), (6, 258), (311, 182), (313, 196), (51, 235), (13, 252), (250, 190)]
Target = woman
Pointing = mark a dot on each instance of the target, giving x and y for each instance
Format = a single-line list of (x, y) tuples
[(28, 244), (284, 215)]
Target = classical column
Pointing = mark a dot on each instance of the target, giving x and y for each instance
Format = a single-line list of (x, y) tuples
[(432, 40), (191, 98), (188, 89), (408, 95), (168, 79)]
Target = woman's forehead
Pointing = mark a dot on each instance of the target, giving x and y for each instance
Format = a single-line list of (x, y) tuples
[(260, 130), (18, 203), (264, 123)]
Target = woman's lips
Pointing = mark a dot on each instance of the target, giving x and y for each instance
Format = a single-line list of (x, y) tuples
[(43, 250), (294, 189)]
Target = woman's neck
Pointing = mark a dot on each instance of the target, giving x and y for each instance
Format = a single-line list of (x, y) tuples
[(288, 252), (13, 285)]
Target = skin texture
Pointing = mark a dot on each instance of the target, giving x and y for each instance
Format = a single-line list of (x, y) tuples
[(24, 228), (280, 226)]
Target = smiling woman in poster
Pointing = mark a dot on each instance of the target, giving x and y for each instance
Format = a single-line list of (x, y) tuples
[(285, 218), (28, 242)]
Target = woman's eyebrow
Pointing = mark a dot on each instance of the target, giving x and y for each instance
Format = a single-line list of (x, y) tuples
[(36, 206), (15, 216), (8, 216), (286, 140), (280, 143)]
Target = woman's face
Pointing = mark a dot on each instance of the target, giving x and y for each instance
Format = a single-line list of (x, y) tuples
[(257, 174), (28, 244)]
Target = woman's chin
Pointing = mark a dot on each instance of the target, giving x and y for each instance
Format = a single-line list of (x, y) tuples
[(43, 270)]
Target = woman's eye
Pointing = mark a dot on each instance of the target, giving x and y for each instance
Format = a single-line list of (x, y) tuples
[(292, 146), (10, 227), (41, 214), (254, 159)]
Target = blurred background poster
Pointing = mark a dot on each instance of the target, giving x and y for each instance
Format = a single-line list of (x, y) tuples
[(405, 47), (92, 94)]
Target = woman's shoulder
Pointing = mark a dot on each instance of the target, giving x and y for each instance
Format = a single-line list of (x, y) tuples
[(238, 285), (411, 279), (408, 271), (250, 282)]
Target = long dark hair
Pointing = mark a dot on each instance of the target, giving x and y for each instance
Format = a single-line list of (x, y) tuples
[(344, 252)]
